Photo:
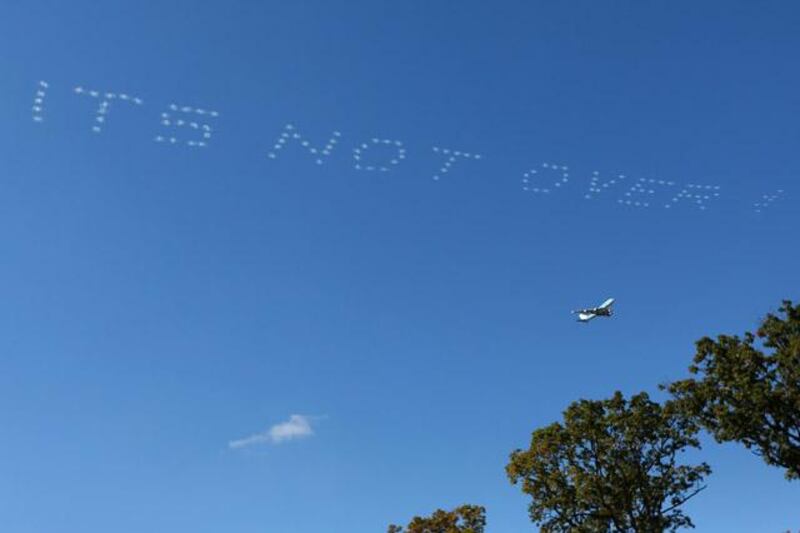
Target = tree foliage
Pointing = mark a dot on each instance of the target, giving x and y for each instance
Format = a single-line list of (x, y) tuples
[(611, 466), (746, 395), (464, 519)]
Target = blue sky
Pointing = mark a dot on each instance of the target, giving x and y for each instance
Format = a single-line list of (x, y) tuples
[(161, 301)]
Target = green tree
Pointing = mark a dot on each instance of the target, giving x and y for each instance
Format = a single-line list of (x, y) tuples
[(611, 466), (748, 389), (464, 519)]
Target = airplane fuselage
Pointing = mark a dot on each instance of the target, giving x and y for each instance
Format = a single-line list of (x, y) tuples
[(585, 315)]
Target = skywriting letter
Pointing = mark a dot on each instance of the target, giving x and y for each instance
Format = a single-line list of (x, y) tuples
[(358, 155), (187, 117), (290, 133), (452, 156), (697, 195), (548, 171), (105, 99), (641, 193)]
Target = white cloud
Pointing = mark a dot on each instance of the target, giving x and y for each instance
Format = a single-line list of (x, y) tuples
[(297, 427)]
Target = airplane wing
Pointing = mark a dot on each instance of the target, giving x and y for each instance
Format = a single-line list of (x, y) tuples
[(607, 303), (585, 317)]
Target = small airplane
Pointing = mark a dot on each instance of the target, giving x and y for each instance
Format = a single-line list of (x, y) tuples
[(604, 309)]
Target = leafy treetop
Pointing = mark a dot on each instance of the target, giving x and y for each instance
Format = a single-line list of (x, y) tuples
[(464, 519), (748, 389), (612, 465)]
